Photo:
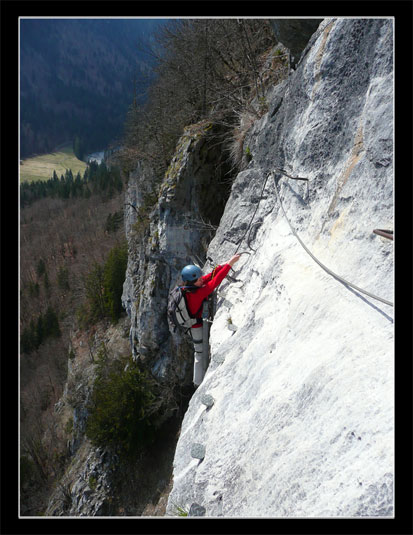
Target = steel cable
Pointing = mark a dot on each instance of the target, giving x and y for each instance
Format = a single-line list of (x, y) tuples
[(317, 261), (253, 215)]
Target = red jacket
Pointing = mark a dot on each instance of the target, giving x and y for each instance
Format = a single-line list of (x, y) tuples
[(211, 281)]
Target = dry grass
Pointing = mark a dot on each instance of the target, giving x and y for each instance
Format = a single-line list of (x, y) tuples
[(237, 152)]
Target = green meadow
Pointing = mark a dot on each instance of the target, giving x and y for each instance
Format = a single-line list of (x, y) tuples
[(42, 167)]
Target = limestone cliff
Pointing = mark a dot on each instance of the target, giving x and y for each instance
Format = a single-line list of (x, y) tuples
[(164, 234), (86, 487), (301, 372), (295, 415)]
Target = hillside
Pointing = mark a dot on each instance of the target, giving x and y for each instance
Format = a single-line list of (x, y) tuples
[(77, 79), (62, 240)]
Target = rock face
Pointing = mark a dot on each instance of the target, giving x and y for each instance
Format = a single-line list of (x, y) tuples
[(301, 371), (86, 487), (173, 232)]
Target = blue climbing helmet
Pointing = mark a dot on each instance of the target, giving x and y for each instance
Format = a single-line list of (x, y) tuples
[(191, 273)]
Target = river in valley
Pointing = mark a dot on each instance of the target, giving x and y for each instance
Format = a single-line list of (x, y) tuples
[(96, 156)]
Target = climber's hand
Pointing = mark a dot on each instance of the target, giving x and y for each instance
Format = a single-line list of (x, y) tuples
[(234, 259)]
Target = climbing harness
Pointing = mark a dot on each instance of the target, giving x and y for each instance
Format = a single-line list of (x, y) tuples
[(316, 260)]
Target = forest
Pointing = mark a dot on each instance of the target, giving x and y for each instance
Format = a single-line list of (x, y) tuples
[(97, 178), (77, 79), (73, 259)]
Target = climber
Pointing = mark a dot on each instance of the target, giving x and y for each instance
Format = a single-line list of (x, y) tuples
[(203, 286)]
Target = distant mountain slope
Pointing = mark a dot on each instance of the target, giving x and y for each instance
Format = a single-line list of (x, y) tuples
[(76, 78)]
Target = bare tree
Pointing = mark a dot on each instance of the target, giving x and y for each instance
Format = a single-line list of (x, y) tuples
[(206, 69)]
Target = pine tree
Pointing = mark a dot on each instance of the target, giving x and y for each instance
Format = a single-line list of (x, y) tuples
[(114, 277), (94, 292), (46, 282), (39, 331), (63, 278), (28, 341), (78, 148), (51, 323), (41, 267)]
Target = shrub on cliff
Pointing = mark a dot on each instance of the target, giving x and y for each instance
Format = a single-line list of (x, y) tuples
[(124, 408)]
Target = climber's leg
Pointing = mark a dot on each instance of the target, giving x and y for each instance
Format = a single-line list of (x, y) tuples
[(199, 368)]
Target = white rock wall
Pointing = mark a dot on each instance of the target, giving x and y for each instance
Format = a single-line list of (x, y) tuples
[(302, 365)]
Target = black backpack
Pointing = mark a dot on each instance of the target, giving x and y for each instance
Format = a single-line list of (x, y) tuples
[(178, 313)]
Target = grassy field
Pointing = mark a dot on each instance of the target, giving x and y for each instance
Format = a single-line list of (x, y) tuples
[(42, 167)]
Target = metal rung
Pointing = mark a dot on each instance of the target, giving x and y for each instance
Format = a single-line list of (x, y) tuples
[(385, 233)]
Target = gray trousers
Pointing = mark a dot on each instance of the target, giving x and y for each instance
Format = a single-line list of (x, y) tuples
[(200, 364)]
